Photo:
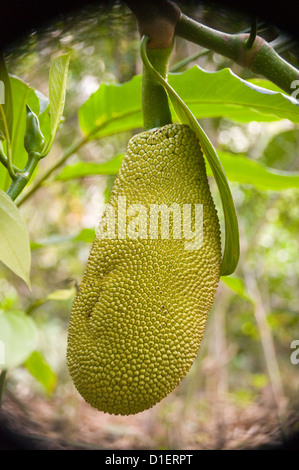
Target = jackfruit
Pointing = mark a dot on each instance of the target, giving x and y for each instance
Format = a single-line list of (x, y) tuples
[(140, 313)]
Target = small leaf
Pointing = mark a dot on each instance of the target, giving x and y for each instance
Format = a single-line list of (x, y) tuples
[(62, 294), (237, 285), (81, 169), (41, 370), (23, 95), (85, 235), (18, 337), (14, 239), (57, 90)]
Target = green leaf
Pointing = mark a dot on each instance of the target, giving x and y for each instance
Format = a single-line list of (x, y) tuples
[(81, 169), (241, 169), (23, 94), (85, 235), (18, 337), (238, 168), (6, 104), (62, 294), (264, 83), (117, 108), (43, 101), (45, 123), (41, 370), (14, 239), (112, 108), (224, 94), (236, 284), (57, 91)]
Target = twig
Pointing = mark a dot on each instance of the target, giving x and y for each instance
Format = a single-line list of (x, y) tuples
[(261, 58), (191, 58)]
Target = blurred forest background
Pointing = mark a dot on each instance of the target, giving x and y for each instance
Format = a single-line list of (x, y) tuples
[(242, 390)]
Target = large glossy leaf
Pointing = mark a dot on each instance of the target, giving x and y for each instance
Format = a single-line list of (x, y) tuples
[(238, 169), (81, 169), (112, 108), (241, 169), (222, 93), (22, 94), (14, 239), (264, 83), (117, 108), (18, 337)]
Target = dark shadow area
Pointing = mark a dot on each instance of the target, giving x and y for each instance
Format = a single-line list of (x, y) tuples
[(18, 19)]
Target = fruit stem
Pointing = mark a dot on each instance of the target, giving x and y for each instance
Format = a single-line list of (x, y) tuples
[(155, 104)]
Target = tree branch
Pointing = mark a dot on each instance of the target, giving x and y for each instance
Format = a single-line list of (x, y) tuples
[(261, 58), (156, 19)]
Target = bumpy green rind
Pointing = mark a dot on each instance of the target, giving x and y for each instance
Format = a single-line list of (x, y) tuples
[(139, 316)]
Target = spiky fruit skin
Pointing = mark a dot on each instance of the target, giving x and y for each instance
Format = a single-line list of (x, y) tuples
[(140, 313)]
